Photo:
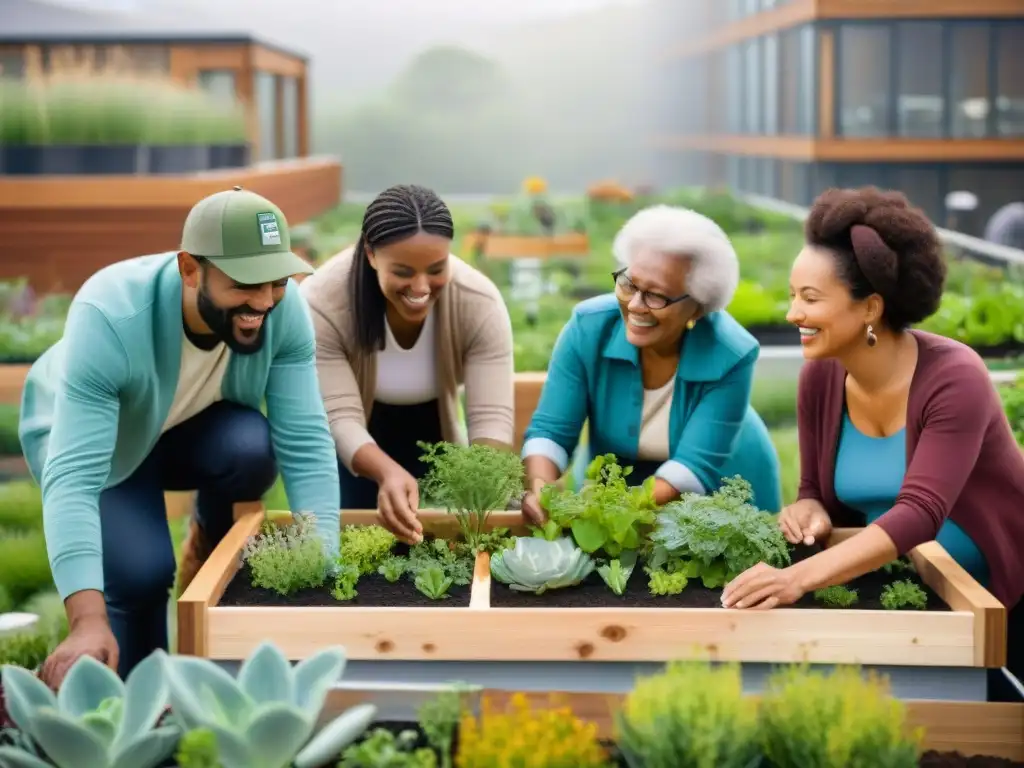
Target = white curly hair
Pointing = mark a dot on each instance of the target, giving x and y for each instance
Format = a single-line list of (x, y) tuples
[(677, 231)]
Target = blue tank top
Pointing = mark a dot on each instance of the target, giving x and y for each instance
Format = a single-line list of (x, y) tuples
[(868, 476)]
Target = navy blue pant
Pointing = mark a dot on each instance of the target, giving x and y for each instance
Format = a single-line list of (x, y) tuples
[(226, 455)]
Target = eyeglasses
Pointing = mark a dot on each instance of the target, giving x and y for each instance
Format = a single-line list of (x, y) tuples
[(625, 290)]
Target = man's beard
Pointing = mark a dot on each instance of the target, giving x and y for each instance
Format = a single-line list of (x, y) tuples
[(221, 323)]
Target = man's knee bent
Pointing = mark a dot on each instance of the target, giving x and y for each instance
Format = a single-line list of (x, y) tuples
[(137, 577), (248, 454)]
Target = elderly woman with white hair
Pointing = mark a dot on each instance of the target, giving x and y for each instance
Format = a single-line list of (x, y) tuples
[(658, 369)]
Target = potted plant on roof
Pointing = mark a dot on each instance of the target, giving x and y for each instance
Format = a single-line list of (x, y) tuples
[(179, 134)]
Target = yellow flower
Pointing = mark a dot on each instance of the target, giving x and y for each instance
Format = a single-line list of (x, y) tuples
[(535, 185)]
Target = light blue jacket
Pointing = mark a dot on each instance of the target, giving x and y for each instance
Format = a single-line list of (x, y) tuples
[(94, 405), (594, 376)]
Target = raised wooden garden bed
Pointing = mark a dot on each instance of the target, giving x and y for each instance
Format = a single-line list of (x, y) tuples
[(964, 626), (500, 247)]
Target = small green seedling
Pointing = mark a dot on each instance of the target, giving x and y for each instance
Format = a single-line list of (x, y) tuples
[(837, 596), (345, 582), (903, 594), (662, 582), (433, 582), (393, 568)]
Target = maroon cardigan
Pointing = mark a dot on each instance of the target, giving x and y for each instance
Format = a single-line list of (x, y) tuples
[(962, 460)]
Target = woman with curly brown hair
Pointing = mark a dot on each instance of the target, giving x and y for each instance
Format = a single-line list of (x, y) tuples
[(900, 430)]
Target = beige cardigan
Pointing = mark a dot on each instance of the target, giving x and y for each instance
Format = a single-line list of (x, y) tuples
[(474, 348)]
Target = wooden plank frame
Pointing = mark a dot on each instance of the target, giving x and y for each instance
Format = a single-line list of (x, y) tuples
[(972, 634), (505, 247)]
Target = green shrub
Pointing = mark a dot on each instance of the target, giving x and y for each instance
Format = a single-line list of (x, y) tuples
[(21, 506), (26, 649), (24, 565), (10, 445), (1013, 403), (903, 594)]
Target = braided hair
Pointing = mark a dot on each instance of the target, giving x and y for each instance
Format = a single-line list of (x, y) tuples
[(396, 214)]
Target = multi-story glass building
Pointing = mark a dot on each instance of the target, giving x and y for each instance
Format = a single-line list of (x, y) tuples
[(784, 98)]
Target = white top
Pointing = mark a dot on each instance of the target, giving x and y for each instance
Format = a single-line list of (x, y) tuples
[(654, 442), (199, 381), (408, 376)]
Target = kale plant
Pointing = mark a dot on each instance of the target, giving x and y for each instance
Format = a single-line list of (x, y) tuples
[(606, 514), (288, 557), (716, 537), (471, 482)]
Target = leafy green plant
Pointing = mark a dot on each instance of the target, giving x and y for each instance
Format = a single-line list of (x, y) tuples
[(197, 749), (666, 582), (471, 482), (366, 546), (616, 573), (900, 565), (25, 649), (716, 537), (903, 594), (288, 557), (1012, 396), (456, 561), (433, 582), (605, 514), (692, 715), (845, 719), (836, 596), (345, 581), (266, 717), (96, 720), (383, 749), (393, 568), (439, 719), (537, 565)]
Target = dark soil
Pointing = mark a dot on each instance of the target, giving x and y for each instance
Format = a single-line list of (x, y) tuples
[(594, 593), (933, 759), (374, 591)]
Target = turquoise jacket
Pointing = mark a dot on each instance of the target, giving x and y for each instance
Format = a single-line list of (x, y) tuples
[(94, 405), (594, 376)]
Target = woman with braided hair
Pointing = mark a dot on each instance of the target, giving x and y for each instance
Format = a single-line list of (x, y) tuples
[(401, 324), (901, 431)]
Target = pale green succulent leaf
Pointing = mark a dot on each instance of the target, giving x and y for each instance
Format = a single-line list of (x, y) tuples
[(87, 686), (25, 693), (146, 695), (335, 736), (315, 676), (12, 757), (266, 676), (189, 673), (536, 564), (66, 742), (149, 750), (232, 749), (101, 726), (276, 733)]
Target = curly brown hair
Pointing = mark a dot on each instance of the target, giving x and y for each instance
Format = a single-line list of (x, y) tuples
[(882, 244)]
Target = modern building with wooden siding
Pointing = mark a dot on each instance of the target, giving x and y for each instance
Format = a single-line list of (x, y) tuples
[(59, 230), (784, 98)]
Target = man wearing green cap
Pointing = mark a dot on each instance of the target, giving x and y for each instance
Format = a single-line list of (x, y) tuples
[(157, 385)]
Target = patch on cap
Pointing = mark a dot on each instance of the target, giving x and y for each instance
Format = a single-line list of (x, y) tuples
[(270, 234)]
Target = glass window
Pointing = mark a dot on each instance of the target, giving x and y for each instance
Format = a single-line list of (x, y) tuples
[(12, 65), (920, 91), (863, 79), (290, 110), (218, 82), (808, 80), (770, 46), (1010, 79), (732, 172), (969, 89), (752, 87), (266, 106), (995, 186), (789, 82), (802, 173), (923, 187), (854, 175), (734, 79)]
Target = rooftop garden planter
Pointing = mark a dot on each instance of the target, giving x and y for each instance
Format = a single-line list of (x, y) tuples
[(590, 587), (112, 126)]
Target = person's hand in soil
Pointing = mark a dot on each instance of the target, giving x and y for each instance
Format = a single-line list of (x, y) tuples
[(763, 587), (398, 498), (805, 522), (532, 510), (91, 637)]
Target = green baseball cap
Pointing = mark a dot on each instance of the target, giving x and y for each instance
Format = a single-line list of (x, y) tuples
[(244, 235)]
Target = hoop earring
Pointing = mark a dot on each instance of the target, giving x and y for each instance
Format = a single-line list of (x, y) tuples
[(872, 339)]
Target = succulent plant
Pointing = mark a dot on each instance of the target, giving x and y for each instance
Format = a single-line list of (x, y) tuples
[(266, 717), (537, 565), (95, 721)]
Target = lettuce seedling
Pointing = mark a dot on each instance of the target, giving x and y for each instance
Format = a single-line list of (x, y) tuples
[(383, 749), (457, 563), (432, 582), (666, 582), (616, 573), (605, 514), (717, 537), (393, 568), (471, 482), (345, 581), (537, 565), (366, 546), (900, 565), (903, 594)]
